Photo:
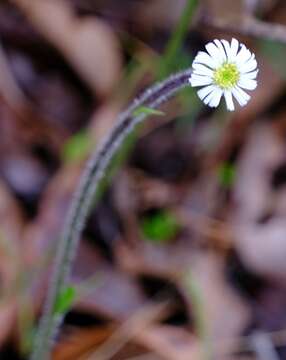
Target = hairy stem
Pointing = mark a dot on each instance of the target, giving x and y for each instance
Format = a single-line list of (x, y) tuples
[(82, 201)]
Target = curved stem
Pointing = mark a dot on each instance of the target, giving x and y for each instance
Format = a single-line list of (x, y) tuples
[(82, 201)]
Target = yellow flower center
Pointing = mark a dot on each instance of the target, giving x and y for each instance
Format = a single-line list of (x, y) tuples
[(226, 76)]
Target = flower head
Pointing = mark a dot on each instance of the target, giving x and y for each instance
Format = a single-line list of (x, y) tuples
[(224, 70)]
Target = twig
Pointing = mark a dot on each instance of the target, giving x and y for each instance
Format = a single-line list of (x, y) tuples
[(82, 201), (247, 25), (9, 88), (228, 347), (139, 321)]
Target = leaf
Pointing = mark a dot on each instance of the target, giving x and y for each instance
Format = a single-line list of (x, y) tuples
[(160, 227), (147, 111), (226, 174), (79, 40), (77, 147), (65, 300)]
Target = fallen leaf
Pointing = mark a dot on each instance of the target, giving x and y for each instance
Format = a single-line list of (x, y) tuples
[(88, 44), (258, 221)]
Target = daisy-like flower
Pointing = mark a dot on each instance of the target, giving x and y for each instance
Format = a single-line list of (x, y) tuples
[(224, 70)]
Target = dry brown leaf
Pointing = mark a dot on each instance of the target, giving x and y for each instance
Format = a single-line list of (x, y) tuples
[(112, 342), (166, 260), (224, 8), (42, 234), (80, 342), (114, 294), (221, 304), (10, 236), (7, 320), (170, 342), (161, 13), (260, 243), (103, 120), (88, 44)]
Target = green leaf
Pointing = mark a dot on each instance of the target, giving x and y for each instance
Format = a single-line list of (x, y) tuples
[(147, 111), (159, 227), (77, 147), (65, 300), (226, 174)]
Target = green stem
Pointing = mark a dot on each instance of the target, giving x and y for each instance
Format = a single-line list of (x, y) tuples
[(177, 38), (200, 320), (82, 201)]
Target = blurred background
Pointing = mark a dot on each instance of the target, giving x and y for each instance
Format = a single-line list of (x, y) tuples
[(184, 255)]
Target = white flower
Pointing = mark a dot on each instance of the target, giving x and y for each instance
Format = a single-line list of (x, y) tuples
[(224, 70)]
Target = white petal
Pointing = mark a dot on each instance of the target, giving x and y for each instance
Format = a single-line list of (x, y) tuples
[(241, 100), (204, 58), (250, 75), (209, 98), (202, 93), (200, 77), (221, 48), (241, 96), (248, 66), (198, 80), (243, 93), (243, 56), (247, 84), (227, 49), (215, 53), (202, 70), (234, 48), (217, 94), (228, 99), (218, 53)]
